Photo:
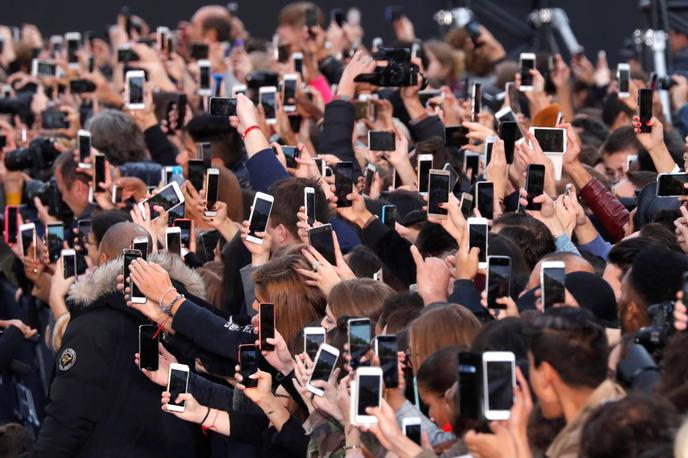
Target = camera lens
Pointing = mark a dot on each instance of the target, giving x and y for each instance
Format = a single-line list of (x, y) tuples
[(18, 159)]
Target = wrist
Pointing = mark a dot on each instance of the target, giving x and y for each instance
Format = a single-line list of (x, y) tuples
[(346, 88), (287, 368), (362, 218)]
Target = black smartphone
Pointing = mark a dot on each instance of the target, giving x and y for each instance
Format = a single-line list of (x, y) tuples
[(311, 17), (223, 106), (476, 100), (337, 16), (438, 192), (55, 241), (99, 172), (290, 154), (84, 146), (185, 225), (389, 216), (379, 140), (527, 64), (11, 224), (488, 150), (498, 280), (551, 140), (508, 132), (289, 93), (471, 165), (148, 347), (204, 78), (672, 184), (212, 189), (470, 392), (425, 164), (386, 347), (267, 326), (248, 363), (260, 214), (81, 86), (484, 198), (456, 136), (84, 227), (54, 119), (199, 51), (552, 283), (68, 263), (196, 173), (309, 204), (343, 182), (478, 237), (645, 109), (129, 256), (369, 175), (535, 185), (126, 54), (360, 334), (466, 204), (320, 238)]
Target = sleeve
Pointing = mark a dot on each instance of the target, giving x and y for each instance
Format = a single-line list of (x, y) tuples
[(10, 340), (209, 393), (79, 393), (192, 260), (392, 249), (248, 427), (291, 438), (597, 246), (467, 295), (331, 68), (436, 435), (681, 120), (564, 244), (160, 147), (429, 126), (264, 169), (338, 125), (611, 213)]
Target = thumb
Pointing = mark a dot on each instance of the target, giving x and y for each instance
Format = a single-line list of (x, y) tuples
[(417, 257)]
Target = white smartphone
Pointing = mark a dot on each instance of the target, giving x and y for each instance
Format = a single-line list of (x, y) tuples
[(212, 187), (552, 283), (478, 237), (551, 139), (298, 62), (623, 76), (161, 34), (325, 361), (527, 63), (487, 149), (499, 380), (128, 256), (68, 263), (367, 392), (267, 98), (289, 89), (313, 338), (73, 45), (177, 383), (168, 197), (423, 170), (116, 194), (141, 244), (173, 239), (631, 158), (134, 88), (204, 87), (376, 44), (309, 204), (411, 428), (27, 236), (438, 192), (43, 68), (238, 89), (84, 144), (505, 114), (260, 214)]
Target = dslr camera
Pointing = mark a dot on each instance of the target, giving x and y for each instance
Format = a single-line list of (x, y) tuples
[(49, 196), (655, 336), (399, 72), (39, 156)]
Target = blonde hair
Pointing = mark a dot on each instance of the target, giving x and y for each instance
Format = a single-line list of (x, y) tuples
[(359, 298)]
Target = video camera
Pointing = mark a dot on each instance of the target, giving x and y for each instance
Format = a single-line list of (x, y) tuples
[(399, 71)]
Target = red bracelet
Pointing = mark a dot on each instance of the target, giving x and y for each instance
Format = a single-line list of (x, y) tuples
[(249, 129)]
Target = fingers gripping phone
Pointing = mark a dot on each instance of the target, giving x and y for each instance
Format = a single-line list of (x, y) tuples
[(535, 185), (177, 383), (477, 237), (148, 347), (324, 364), (267, 326)]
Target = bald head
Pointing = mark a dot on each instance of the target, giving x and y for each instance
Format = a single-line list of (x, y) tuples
[(119, 237)]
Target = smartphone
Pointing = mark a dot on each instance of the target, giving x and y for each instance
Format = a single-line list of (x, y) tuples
[(177, 383), (359, 339), (379, 140), (56, 42), (498, 283), (27, 234), (260, 214), (311, 17), (499, 380), (73, 44), (199, 51), (324, 363), (313, 338), (343, 182), (238, 89), (98, 171), (248, 363), (298, 62), (128, 256), (369, 175), (168, 198), (377, 43), (11, 224), (466, 204), (68, 262), (320, 238), (53, 118), (267, 99), (477, 237), (509, 133), (386, 348), (161, 34), (551, 139), (552, 283), (289, 83), (84, 143), (471, 165), (527, 63), (134, 89), (309, 204), (196, 173), (117, 194), (126, 54), (411, 428), (141, 244), (389, 216), (148, 347), (484, 198), (81, 86), (645, 109), (505, 114), (424, 165), (456, 136), (223, 106), (672, 184), (367, 392), (173, 240), (535, 185), (204, 88), (476, 101), (267, 326), (55, 240), (470, 392), (184, 225), (212, 188), (438, 193), (487, 149), (43, 68), (290, 155), (623, 76)]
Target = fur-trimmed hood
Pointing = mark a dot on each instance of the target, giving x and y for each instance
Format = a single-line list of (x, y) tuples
[(103, 280)]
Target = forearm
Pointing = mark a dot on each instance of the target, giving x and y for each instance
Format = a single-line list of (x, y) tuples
[(662, 159), (255, 141), (578, 174), (406, 173), (218, 421), (413, 107), (227, 230), (275, 411), (565, 102), (57, 305), (585, 233)]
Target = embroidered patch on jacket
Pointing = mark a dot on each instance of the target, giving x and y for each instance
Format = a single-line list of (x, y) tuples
[(67, 359)]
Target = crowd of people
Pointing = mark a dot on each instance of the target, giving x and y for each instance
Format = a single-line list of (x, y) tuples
[(244, 313)]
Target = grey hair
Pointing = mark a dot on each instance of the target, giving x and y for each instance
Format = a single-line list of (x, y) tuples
[(116, 135)]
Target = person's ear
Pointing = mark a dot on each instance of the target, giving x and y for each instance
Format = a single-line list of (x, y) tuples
[(103, 258), (634, 315)]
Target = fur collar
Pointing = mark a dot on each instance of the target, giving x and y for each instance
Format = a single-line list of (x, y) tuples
[(102, 281)]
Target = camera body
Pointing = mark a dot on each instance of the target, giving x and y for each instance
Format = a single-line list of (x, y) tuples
[(399, 72), (39, 155), (49, 196), (655, 336)]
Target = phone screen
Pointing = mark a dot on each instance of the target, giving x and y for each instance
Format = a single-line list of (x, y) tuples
[(310, 207), (535, 184), (527, 64), (455, 136), (267, 100), (554, 285), (324, 366), (359, 340), (178, 383), (196, 172), (290, 154), (485, 191), (166, 198), (672, 184), (213, 189), (380, 141), (508, 133), (204, 79), (267, 326), (99, 175), (55, 241), (476, 100), (438, 193), (185, 226), (259, 217), (413, 433), (500, 395), (321, 239), (368, 393), (148, 347), (470, 389), (344, 183), (174, 242), (289, 92), (46, 68), (389, 216), (387, 348), (645, 109), (136, 85), (129, 256), (624, 80), (313, 342), (143, 248), (223, 106), (84, 147), (477, 237), (498, 275), (472, 165), (27, 237), (12, 224), (368, 182), (424, 168), (72, 48), (466, 205), (248, 361), (550, 140)]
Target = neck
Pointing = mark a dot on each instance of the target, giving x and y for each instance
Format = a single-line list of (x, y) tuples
[(573, 400)]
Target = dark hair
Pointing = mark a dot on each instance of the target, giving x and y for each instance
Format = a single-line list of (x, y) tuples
[(612, 107), (434, 240), (659, 232), (572, 343), (598, 264), (630, 427), (68, 170), (673, 383), (593, 132), (656, 274), (504, 335), (623, 253), (533, 238), (116, 135), (220, 24), (101, 221), (363, 261), (294, 14), (438, 372), (15, 440), (288, 194), (621, 139), (410, 300)]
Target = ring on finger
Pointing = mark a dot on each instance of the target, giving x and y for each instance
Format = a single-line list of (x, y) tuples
[(316, 265)]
